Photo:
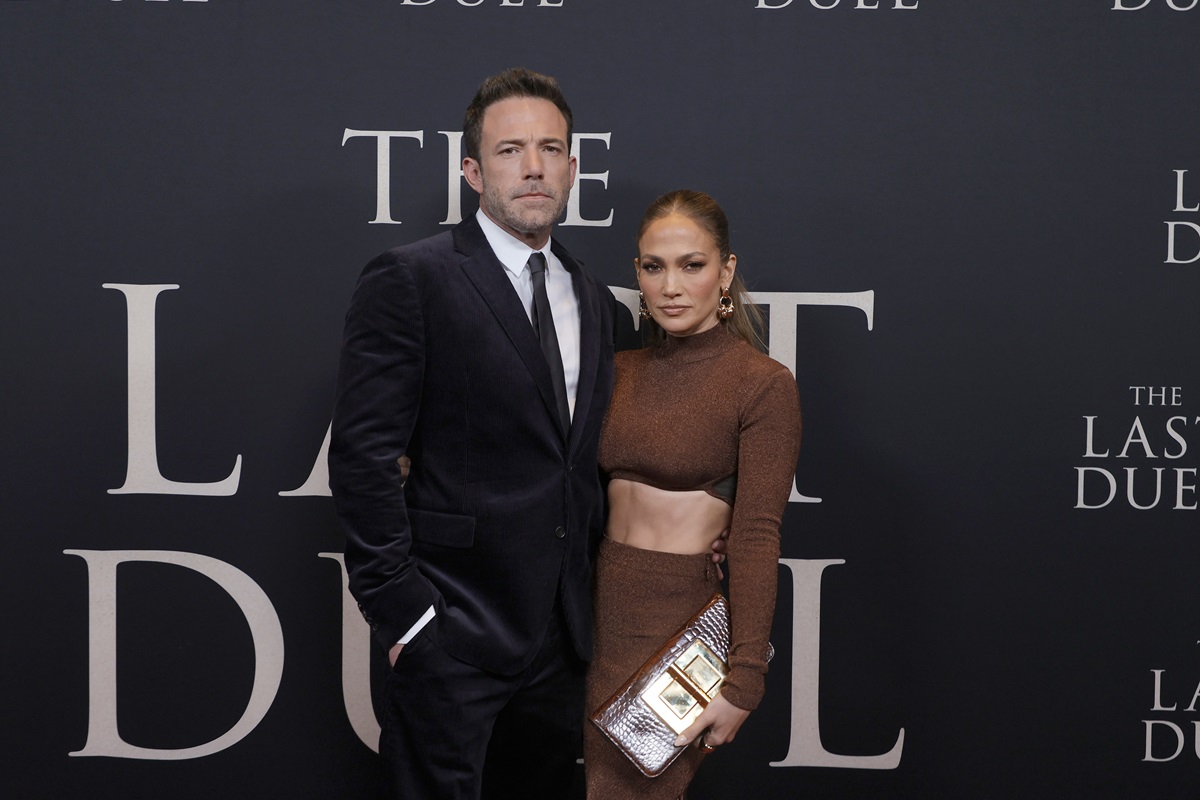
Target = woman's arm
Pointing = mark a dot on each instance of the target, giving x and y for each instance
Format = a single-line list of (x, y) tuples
[(768, 445)]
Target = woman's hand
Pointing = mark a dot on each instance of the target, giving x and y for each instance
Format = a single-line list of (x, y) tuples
[(718, 550), (715, 726)]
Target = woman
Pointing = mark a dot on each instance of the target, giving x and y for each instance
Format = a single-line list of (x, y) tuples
[(702, 435)]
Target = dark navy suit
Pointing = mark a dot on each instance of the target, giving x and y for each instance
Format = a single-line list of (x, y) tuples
[(496, 523)]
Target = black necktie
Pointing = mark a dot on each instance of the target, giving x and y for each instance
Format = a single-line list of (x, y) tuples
[(543, 326)]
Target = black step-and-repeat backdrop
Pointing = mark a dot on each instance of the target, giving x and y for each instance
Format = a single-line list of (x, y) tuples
[(975, 226)]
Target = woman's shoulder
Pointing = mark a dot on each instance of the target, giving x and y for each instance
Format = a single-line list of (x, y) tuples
[(627, 356), (764, 385), (754, 363), (627, 359)]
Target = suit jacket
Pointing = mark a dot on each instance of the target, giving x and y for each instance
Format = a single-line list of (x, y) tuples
[(501, 512)]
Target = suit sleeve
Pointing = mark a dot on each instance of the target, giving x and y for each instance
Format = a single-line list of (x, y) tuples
[(377, 399)]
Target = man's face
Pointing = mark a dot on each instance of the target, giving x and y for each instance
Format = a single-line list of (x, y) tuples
[(524, 172)]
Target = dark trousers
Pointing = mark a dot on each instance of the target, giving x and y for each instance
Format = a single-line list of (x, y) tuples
[(454, 732)]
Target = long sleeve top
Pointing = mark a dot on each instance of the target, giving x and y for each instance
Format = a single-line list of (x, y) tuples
[(711, 412)]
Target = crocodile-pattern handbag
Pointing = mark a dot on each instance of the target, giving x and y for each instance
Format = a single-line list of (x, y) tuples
[(670, 690)]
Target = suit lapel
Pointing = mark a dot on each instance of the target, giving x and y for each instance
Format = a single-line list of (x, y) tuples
[(589, 342), (487, 274)]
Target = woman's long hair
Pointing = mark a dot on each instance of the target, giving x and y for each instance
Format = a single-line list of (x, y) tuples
[(746, 321)]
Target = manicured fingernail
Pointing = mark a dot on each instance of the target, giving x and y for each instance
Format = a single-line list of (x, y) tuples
[(680, 741)]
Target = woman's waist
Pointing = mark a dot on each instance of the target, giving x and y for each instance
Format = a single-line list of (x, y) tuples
[(685, 522), (625, 557)]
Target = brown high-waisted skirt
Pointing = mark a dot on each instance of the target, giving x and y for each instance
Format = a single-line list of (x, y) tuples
[(642, 598)]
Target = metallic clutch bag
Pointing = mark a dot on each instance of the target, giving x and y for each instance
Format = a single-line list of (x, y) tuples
[(670, 690)]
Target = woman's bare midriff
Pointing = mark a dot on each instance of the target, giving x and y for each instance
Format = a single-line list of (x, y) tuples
[(643, 516)]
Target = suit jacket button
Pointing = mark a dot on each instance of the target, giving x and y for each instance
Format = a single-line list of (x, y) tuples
[(560, 532)]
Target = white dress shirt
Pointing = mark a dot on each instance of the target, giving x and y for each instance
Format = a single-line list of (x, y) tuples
[(564, 305)]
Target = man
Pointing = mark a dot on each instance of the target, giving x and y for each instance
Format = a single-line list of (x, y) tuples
[(484, 354)]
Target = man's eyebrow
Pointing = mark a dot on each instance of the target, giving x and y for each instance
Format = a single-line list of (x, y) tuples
[(520, 141)]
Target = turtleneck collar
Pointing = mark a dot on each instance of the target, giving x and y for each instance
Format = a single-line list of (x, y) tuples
[(698, 346)]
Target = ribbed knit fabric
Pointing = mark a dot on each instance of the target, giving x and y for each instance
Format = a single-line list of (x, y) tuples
[(643, 597), (686, 414)]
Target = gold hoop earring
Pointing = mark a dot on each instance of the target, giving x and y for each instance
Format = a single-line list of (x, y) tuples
[(725, 304), (643, 309)]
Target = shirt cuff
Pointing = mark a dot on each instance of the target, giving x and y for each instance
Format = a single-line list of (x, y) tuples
[(415, 629)]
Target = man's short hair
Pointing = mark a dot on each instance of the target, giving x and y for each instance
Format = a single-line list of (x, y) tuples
[(515, 82)]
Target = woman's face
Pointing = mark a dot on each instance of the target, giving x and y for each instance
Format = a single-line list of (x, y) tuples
[(681, 274)]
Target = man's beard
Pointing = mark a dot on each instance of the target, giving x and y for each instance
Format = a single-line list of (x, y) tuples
[(505, 209)]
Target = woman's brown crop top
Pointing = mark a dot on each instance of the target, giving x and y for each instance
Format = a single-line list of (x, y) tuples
[(699, 411)]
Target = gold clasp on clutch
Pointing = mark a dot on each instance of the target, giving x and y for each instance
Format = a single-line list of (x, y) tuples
[(689, 683)]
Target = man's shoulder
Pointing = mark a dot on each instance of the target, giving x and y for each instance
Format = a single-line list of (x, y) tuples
[(424, 257), (439, 246)]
